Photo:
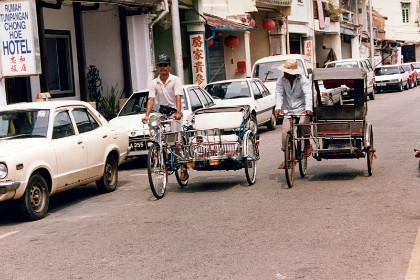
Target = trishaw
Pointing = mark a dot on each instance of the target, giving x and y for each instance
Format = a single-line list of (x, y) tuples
[(338, 131), (214, 139)]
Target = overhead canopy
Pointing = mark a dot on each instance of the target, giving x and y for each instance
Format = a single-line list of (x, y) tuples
[(137, 3), (221, 24)]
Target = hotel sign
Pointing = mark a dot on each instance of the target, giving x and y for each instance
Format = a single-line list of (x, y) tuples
[(19, 44)]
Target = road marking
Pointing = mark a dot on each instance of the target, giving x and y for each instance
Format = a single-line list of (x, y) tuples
[(8, 234), (413, 272)]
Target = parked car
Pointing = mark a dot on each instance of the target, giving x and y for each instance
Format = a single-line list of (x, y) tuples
[(391, 77), (362, 63), (417, 67), (247, 91), (331, 96), (266, 68), (412, 74), (130, 115), (48, 147)]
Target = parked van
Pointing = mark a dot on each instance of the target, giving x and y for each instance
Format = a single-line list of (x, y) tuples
[(363, 63), (266, 68)]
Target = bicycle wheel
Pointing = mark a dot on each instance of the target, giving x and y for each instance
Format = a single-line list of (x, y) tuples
[(289, 160), (302, 159), (157, 171), (182, 179), (370, 154), (250, 162)]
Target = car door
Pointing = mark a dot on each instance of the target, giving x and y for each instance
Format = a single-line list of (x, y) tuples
[(71, 155), (96, 139), (370, 75), (261, 105)]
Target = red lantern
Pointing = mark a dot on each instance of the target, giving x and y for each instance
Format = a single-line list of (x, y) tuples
[(210, 43), (252, 23), (231, 41), (269, 24)]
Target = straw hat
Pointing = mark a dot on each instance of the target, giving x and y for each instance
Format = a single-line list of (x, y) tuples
[(291, 67)]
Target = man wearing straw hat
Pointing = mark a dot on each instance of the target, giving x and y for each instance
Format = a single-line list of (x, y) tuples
[(294, 95)]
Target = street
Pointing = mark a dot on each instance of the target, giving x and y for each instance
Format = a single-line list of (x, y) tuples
[(336, 223)]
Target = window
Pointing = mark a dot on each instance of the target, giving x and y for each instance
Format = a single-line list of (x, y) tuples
[(84, 121), (59, 61), (405, 7), (195, 100), (63, 126)]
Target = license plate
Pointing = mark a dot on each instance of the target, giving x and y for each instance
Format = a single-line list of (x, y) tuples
[(136, 146)]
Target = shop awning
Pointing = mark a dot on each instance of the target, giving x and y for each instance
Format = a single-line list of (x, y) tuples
[(277, 2), (221, 24)]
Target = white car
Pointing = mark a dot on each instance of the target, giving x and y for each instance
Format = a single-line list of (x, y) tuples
[(130, 115), (331, 96), (391, 77), (247, 91), (362, 63), (48, 147)]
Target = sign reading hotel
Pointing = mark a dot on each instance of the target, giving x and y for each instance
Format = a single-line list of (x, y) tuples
[(198, 58), (19, 44)]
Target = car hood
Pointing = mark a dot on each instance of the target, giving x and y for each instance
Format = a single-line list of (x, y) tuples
[(131, 124), (233, 102), (387, 77), (10, 147)]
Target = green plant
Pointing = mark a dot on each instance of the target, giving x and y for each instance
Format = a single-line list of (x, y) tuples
[(110, 102), (333, 11), (94, 86)]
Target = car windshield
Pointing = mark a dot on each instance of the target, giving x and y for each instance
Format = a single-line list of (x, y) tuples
[(137, 104), (229, 90), (381, 71), (406, 67), (24, 123), (416, 65), (347, 64)]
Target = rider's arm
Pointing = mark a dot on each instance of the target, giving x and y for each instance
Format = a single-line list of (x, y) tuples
[(279, 96), (307, 91), (149, 107), (178, 114)]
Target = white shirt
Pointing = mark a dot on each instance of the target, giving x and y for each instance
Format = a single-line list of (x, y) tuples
[(294, 99), (165, 93)]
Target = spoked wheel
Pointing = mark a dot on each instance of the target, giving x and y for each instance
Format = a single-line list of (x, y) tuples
[(182, 177), (157, 171), (370, 154), (302, 159), (289, 160), (250, 162)]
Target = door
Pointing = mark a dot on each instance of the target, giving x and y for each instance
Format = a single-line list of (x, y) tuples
[(70, 152), (261, 105)]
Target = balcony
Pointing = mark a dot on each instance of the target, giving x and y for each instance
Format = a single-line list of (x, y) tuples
[(276, 2)]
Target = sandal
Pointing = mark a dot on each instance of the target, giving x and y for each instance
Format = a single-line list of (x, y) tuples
[(307, 151), (282, 166)]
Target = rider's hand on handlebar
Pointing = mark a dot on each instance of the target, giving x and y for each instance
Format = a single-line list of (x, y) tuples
[(177, 116), (144, 119), (277, 112), (308, 112)]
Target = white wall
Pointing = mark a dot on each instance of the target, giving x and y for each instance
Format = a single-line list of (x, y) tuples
[(140, 52), (103, 44), (394, 27)]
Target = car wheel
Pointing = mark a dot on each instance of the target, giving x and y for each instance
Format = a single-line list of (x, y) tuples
[(252, 124), (271, 125), (35, 201), (109, 180), (400, 89), (407, 85)]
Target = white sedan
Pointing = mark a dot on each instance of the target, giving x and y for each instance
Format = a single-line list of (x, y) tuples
[(246, 92), (130, 115), (52, 146)]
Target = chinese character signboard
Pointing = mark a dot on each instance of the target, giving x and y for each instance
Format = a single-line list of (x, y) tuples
[(308, 49), (198, 58), (19, 44)]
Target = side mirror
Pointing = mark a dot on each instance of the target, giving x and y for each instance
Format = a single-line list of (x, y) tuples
[(258, 96), (309, 71)]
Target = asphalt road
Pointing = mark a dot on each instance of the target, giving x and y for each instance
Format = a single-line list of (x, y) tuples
[(336, 223)]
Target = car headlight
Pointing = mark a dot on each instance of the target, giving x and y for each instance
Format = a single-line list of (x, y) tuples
[(154, 121), (3, 170)]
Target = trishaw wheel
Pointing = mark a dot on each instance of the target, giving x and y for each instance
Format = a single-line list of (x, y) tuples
[(370, 154), (182, 179), (289, 160), (250, 162), (302, 159), (157, 171)]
